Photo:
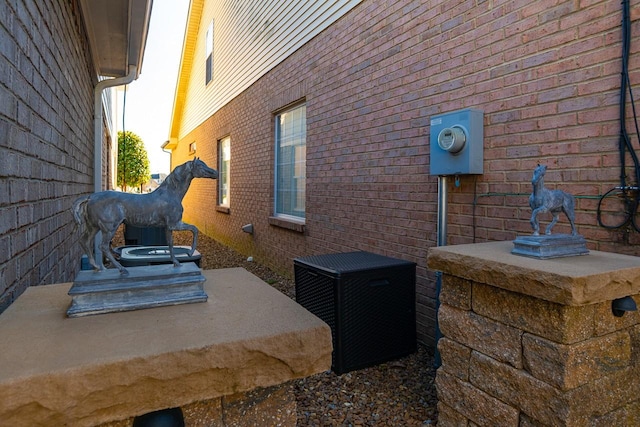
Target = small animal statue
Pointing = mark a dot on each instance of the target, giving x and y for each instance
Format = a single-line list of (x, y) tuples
[(106, 210), (544, 200)]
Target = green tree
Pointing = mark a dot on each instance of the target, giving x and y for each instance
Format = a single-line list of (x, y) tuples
[(133, 161)]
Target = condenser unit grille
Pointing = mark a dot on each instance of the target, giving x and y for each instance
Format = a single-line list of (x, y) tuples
[(368, 300)]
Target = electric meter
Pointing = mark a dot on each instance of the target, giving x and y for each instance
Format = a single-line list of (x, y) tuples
[(452, 139), (456, 143)]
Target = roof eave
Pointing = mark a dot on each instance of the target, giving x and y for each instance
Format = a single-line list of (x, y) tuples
[(117, 32), (186, 61)]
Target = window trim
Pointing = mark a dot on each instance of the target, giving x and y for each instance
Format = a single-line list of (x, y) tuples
[(297, 224), (220, 172), (287, 217)]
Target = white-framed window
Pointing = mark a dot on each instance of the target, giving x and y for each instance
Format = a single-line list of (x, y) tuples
[(291, 162), (224, 160), (209, 54)]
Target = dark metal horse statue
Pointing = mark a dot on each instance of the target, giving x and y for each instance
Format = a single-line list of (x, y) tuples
[(106, 210), (555, 201)]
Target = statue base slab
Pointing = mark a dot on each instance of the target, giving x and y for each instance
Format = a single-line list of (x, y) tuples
[(550, 246), (107, 291)]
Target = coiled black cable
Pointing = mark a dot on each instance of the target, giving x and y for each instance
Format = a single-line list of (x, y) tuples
[(624, 196), (617, 208)]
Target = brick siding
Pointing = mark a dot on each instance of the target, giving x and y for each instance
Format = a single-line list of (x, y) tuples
[(46, 141), (545, 73)]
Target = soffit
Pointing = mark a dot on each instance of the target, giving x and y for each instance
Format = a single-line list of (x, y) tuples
[(186, 61), (117, 32)]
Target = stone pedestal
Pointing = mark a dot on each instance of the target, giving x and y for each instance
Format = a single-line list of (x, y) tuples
[(222, 360), (530, 342)]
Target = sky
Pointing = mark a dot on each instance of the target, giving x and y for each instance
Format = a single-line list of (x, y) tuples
[(149, 99)]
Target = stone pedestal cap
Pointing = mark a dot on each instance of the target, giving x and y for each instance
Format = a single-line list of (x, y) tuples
[(574, 281), (90, 370)]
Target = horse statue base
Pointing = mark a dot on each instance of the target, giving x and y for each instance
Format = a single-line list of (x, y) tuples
[(108, 291), (550, 246)]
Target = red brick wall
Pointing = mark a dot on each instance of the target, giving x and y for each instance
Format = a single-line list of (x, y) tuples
[(545, 73), (46, 142)]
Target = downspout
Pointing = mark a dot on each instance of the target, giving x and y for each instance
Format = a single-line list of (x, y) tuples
[(97, 139), (97, 121), (170, 152)]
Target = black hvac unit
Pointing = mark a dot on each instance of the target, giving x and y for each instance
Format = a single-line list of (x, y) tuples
[(368, 300), (144, 236)]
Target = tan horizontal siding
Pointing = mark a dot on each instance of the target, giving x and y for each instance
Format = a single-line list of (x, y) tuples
[(250, 38)]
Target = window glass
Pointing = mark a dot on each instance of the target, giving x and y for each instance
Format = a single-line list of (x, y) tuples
[(290, 168), (224, 159), (209, 54)]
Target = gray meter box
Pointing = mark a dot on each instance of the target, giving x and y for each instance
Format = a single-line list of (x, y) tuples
[(456, 142)]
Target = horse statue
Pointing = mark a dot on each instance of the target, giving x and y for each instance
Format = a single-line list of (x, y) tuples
[(544, 200), (106, 210)]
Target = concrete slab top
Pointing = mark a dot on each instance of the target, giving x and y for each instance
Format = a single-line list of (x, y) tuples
[(88, 370), (578, 280)]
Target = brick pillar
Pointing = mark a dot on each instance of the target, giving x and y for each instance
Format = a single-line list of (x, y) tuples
[(530, 342)]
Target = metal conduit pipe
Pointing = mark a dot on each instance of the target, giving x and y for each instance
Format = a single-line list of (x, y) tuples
[(442, 211), (441, 229)]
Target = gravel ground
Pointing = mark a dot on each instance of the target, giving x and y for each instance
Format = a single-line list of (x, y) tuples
[(396, 393)]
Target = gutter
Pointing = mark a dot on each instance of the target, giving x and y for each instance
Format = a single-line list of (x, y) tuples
[(97, 121)]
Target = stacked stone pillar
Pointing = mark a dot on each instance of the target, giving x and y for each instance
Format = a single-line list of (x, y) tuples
[(530, 342)]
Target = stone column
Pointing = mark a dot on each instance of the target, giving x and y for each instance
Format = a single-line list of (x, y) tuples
[(530, 342)]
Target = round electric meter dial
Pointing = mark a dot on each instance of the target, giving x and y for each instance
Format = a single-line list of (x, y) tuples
[(452, 139)]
